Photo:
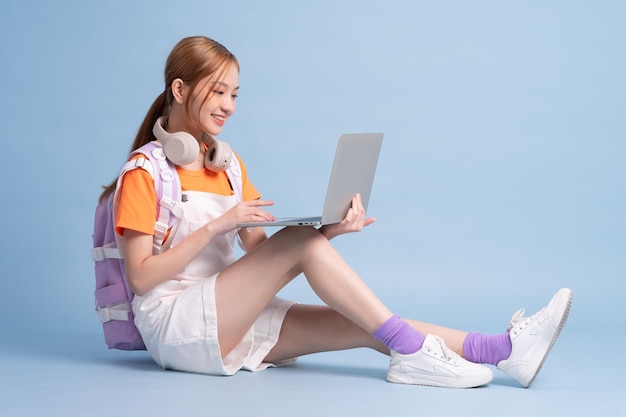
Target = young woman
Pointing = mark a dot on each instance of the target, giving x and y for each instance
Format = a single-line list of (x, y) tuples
[(200, 310)]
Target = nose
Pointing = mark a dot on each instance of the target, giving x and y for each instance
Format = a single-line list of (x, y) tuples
[(228, 103)]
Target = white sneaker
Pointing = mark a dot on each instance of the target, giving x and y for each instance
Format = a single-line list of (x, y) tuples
[(533, 337), (436, 365)]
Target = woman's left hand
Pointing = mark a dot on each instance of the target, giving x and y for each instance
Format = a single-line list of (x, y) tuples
[(354, 221)]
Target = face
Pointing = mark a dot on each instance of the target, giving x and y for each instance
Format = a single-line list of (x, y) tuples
[(214, 101)]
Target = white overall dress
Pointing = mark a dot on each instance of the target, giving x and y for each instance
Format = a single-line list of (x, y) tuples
[(177, 319)]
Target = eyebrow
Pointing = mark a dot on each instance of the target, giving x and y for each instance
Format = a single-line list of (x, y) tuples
[(225, 85)]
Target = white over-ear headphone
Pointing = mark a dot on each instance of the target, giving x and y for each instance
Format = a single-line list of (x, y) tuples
[(182, 148)]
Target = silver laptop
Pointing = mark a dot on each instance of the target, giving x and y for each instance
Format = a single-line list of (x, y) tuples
[(353, 172)]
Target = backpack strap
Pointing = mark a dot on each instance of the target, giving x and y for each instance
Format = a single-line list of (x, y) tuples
[(167, 187), (169, 193)]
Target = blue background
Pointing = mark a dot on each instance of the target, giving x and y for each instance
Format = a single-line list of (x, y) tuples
[(501, 179)]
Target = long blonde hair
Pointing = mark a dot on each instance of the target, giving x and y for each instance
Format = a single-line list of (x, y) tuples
[(192, 59)]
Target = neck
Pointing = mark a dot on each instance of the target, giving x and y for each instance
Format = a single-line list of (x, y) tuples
[(197, 164)]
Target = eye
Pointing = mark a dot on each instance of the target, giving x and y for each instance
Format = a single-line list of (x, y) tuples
[(235, 96)]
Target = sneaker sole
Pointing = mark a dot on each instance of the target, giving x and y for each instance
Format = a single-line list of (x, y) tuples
[(556, 335), (441, 382)]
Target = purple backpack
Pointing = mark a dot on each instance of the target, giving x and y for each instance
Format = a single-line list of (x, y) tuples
[(113, 295)]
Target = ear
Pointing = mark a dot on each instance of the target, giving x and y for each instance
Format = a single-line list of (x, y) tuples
[(178, 90)]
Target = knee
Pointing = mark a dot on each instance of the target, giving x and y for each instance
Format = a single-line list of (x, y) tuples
[(301, 233), (308, 238)]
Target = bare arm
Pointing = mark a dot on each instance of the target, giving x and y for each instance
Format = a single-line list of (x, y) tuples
[(252, 237), (145, 271)]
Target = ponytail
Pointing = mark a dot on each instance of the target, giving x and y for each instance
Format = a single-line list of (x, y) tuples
[(144, 135)]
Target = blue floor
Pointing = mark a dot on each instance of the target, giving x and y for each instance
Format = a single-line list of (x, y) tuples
[(78, 376), (501, 179)]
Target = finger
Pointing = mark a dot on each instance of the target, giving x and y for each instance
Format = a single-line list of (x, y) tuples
[(369, 221), (357, 203), (358, 199), (262, 215), (258, 203), (350, 216), (263, 203), (358, 210)]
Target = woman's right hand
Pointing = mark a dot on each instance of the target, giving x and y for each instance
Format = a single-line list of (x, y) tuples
[(243, 212)]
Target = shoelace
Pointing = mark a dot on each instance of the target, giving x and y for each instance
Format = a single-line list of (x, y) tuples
[(446, 353), (518, 321)]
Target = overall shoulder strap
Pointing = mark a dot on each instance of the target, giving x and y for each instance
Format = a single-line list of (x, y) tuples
[(234, 176)]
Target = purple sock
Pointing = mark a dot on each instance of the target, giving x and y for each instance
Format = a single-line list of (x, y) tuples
[(487, 348), (397, 335)]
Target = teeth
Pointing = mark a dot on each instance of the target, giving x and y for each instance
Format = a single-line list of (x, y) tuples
[(218, 117)]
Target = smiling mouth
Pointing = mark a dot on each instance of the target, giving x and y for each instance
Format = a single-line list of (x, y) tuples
[(218, 117)]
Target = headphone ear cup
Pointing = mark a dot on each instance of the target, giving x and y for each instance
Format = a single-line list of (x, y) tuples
[(218, 156), (180, 148)]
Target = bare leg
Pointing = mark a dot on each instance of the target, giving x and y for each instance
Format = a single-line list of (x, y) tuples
[(454, 338), (244, 289), (311, 329)]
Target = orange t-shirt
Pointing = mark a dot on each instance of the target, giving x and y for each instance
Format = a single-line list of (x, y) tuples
[(137, 208)]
